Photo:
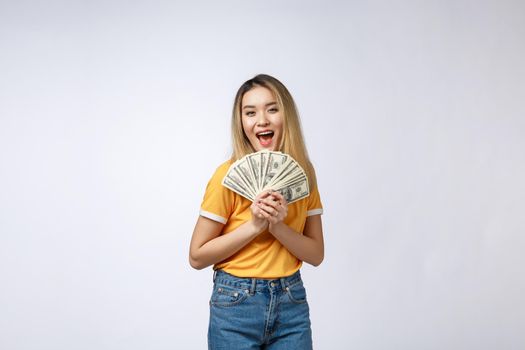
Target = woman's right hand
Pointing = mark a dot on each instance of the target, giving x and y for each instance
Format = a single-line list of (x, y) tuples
[(258, 219)]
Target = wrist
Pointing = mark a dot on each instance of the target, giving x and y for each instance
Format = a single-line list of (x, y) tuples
[(256, 227), (274, 227)]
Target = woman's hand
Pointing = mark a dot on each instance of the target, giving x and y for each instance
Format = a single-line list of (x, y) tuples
[(258, 219), (273, 207)]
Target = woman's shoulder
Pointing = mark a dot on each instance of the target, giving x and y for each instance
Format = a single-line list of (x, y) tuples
[(222, 169)]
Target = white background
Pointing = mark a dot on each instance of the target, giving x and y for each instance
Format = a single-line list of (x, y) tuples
[(114, 114)]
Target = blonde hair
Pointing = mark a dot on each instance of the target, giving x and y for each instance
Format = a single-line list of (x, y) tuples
[(292, 141)]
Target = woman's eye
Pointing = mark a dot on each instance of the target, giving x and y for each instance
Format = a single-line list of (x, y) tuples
[(250, 113), (273, 110)]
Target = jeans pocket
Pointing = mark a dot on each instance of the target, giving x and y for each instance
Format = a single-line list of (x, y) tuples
[(296, 293), (226, 296)]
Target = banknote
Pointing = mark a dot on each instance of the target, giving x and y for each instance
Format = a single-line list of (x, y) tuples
[(265, 170)]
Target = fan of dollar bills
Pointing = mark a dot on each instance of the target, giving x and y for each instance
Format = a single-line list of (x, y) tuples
[(267, 170)]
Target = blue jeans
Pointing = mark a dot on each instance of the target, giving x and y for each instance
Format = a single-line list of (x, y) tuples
[(248, 313)]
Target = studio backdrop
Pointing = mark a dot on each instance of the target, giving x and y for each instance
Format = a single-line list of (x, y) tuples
[(114, 115)]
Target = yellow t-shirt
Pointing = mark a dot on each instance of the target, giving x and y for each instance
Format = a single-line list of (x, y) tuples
[(264, 256)]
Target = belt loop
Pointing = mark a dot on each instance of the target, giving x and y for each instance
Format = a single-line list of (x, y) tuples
[(214, 275), (283, 284), (252, 289)]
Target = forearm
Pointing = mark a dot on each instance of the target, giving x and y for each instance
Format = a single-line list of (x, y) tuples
[(223, 246), (303, 247)]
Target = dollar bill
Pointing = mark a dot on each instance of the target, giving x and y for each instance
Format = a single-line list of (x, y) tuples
[(295, 191), (235, 187), (264, 170), (276, 162), (255, 160)]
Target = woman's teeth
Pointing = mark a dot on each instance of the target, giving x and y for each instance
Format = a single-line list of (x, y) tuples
[(265, 133)]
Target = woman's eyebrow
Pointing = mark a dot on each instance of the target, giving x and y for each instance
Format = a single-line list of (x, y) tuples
[(266, 105)]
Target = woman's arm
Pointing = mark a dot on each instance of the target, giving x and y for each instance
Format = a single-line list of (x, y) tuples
[(208, 247), (309, 246)]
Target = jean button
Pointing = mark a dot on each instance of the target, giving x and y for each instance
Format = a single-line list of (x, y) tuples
[(272, 284)]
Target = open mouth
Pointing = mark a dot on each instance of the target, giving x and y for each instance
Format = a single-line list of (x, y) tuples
[(265, 137)]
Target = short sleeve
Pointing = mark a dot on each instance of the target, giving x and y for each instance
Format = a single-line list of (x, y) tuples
[(315, 207), (217, 203)]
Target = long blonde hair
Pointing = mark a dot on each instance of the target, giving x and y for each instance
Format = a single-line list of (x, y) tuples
[(292, 141)]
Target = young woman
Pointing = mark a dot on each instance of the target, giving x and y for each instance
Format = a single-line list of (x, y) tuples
[(258, 299)]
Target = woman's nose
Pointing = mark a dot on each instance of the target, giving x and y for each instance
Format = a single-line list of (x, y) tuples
[(262, 120)]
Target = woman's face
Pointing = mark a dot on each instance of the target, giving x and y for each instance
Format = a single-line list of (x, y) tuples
[(262, 120)]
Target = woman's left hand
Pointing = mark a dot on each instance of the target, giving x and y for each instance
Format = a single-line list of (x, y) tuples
[(274, 207)]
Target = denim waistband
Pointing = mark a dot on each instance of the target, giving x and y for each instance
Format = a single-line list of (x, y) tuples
[(252, 284)]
